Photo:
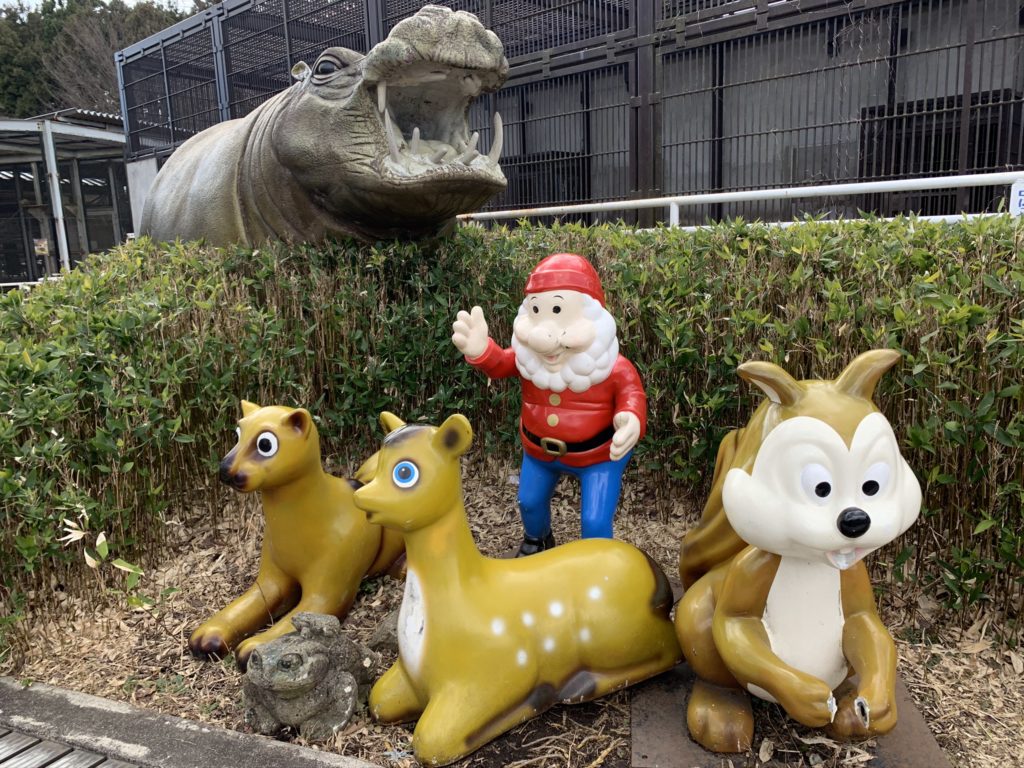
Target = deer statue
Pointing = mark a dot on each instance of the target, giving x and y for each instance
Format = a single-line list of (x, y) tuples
[(485, 644)]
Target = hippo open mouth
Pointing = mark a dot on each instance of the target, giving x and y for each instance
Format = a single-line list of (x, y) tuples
[(373, 146), (424, 77)]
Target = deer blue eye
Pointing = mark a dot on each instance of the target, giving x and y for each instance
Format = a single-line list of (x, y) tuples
[(405, 474)]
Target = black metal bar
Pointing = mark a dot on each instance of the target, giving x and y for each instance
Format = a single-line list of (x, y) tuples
[(167, 94), (717, 126), (966, 94), (643, 148)]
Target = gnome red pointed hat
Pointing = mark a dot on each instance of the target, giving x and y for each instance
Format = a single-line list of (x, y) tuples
[(566, 271)]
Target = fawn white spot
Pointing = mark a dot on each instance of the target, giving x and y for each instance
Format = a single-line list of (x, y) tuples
[(549, 644), (556, 609), (498, 626), (594, 593), (527, 618), (412, 623), (521, 657), (585, 634)]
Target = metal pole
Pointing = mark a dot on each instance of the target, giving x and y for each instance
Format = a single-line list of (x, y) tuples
[(76, 193), (53, 179)]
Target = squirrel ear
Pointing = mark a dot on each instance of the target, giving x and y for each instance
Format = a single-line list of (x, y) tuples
[(390, 422), (862, 375), (454, 436), (780, 387), (299, 420), (249, 408)]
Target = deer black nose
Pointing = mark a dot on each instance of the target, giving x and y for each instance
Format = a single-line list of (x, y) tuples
[(853, 522)]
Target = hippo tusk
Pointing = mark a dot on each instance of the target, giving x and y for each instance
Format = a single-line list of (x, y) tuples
[(499, 139), (470, 153), (439, 155), (414, 146), (382, 96), (389, 131)]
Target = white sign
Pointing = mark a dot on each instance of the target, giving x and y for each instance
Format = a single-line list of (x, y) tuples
[(1017, 198)]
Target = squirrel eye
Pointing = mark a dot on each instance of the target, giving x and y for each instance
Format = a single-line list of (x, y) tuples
[(817, 483), (875, 479), (266, 444)]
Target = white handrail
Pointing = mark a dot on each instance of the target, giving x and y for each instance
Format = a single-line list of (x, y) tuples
[(675, 202)]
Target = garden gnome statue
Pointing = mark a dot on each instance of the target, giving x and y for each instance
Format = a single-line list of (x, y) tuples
[(584, 408)]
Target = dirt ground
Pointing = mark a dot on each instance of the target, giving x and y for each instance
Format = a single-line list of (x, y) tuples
[(970, 690)]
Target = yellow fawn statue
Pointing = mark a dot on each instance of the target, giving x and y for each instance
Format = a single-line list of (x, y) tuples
[(485, 644), (317, 545), (778, 601)]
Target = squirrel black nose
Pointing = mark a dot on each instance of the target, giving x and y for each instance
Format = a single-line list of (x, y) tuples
[(853, 522), (225, 472)]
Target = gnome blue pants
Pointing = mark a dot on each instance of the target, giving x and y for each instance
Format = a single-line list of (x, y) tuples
[(600, 485)]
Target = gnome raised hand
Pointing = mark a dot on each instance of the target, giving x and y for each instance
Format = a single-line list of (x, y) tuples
[(584, 408)]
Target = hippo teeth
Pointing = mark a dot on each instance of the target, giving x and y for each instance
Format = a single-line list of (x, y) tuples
[(390, 131), (382, 96), (499, 140)]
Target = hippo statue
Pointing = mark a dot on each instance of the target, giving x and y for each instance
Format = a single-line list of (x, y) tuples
[(373, 147)]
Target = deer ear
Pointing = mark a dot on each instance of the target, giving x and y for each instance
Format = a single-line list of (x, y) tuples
[(862, 375), (454, 436), (299, 420), (390, 422), (248, 409), (780, 387)]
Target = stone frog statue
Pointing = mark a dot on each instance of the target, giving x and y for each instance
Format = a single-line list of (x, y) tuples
[(310, 679), (778, 600), (374, 146)]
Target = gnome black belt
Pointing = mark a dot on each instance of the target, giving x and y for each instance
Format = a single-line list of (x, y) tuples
[(555, 447)]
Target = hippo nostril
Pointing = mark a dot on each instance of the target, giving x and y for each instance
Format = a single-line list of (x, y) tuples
[(853, 522)]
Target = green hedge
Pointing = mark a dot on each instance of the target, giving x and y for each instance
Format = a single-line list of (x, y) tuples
[(119, 384)]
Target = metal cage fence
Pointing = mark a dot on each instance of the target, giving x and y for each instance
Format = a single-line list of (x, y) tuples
[(613, 99)]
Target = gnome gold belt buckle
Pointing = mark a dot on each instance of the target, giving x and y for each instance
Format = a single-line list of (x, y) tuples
[(553, 446)]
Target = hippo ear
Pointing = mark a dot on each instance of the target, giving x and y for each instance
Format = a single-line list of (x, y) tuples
[(248, 409), (780, 387), (390, 422), (454, 436), (861, 376), (300, 71)]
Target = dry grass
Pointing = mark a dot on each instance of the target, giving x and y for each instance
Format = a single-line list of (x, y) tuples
[(971, 692)]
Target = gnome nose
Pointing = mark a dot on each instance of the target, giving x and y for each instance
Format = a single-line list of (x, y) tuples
[(853, 522)]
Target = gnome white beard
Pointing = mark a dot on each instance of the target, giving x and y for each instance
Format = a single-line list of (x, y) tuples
[(582, 370)]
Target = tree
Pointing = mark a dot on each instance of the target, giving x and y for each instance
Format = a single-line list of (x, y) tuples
[(61, 54), (81, 61)]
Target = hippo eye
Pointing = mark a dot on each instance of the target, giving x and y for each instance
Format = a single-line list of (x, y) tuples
[(290, 661), (556, 309), (816, 482), (266, 444), (326, 67), (875, 479), (405, 474)]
